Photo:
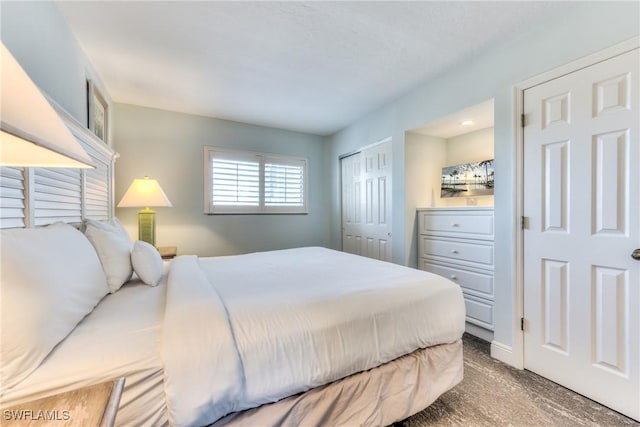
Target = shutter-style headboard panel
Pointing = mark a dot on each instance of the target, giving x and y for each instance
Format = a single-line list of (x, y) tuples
[(31, 197), (12, 198)]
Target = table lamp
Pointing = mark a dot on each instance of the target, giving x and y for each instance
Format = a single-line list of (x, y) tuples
[(32, 134), (145, 193)]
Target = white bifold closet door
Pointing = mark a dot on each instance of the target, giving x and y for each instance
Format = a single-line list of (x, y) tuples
[(582, 198), (366, 202)]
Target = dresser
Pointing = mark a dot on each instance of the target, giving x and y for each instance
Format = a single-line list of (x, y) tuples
[(457, 243)]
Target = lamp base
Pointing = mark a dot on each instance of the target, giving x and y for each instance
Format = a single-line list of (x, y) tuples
[(147, 226)]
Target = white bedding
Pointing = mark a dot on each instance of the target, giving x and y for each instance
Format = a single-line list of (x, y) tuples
[(298, 318), (231, 333), (121, 337)]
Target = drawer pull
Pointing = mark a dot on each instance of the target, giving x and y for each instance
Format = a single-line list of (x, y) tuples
[(454, 277), (455, 224), (454, 251)]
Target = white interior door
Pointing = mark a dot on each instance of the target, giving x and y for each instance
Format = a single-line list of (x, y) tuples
[(351, 205), (582, 198), (366, 202)]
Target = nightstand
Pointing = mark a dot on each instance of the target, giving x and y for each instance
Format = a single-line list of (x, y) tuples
[(90, 406), (168, 252)]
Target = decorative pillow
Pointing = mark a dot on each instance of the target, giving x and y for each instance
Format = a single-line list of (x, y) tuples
[(113, 245), (50, 280), (147, 263)]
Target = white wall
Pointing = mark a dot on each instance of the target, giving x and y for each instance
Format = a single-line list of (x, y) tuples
[(470, 147), (168, 146), (424, 158), (40, 40), (591, 26)]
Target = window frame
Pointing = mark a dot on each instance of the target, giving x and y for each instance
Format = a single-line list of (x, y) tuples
[(209, 153)]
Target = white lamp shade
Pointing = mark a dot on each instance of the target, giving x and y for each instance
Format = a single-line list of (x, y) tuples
[(144, 193), (32, 133)]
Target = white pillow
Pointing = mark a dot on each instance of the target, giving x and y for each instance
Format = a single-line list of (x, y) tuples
[(50, 279), (113, 245), (147, 263)]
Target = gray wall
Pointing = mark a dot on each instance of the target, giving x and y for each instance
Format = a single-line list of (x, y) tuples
[(168, 146), (40, 40), (43, 44), (591, 26), (424, 157)]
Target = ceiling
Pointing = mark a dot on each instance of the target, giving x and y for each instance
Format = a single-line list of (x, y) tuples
[(471, 119), (313, 67)]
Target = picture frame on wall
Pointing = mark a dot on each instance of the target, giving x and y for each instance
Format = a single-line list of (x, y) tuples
[(468, 179), (98, 112)]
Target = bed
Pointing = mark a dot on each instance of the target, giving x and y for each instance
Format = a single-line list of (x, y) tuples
[(306, 336)]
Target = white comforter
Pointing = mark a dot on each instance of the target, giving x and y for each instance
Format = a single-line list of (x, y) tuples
[(246, 330)]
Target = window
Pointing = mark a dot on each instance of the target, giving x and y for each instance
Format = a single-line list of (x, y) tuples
[(249, 182)]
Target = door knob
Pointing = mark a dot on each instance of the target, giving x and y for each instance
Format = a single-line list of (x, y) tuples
[(636, 254)]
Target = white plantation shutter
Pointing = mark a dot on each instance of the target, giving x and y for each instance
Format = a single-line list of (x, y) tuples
[(236, 182), (12, 198), (40, 196), (284, 182), (248, 182), (97, 187), (72, 195), (57, 196)]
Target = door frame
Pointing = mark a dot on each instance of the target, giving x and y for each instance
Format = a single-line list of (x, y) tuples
[(351, 153), (515, 357), (358, 150)]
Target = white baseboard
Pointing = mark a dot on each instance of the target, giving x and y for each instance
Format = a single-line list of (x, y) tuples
[(502, 352), (479, 332)]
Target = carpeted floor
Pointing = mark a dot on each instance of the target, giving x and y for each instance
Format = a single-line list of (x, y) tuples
[(494, 394)]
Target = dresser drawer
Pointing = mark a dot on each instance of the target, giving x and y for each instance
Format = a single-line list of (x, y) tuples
[(473, 224), (479, 312), (457, 250), (476, 283)]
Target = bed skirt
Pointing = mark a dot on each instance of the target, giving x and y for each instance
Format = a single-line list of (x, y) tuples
[(377, 397)]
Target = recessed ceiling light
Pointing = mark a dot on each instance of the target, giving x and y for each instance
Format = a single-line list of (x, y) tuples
[(466, 122)]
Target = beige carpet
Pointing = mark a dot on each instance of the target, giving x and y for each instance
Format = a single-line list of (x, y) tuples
[(494, 394)]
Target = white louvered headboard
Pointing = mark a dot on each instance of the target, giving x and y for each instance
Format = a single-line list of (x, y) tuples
[(31, 197)]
